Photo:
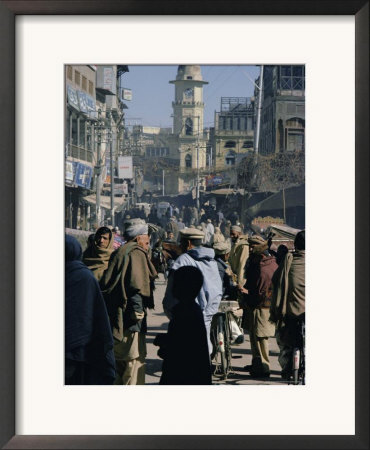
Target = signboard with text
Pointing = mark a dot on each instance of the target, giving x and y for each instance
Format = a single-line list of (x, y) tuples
[(126, 94), (83, 175), (125, 169)]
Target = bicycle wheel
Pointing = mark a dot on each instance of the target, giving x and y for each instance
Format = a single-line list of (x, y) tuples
[(296, 364), (221, 333)]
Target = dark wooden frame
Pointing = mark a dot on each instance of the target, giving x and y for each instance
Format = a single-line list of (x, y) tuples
[(8, 11)]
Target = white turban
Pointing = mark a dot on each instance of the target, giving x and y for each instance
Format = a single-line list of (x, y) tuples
[(136, 229)]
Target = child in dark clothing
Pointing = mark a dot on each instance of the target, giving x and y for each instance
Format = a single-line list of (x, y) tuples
[(186, 357)]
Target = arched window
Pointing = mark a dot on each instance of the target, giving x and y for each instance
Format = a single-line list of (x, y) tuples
[(188, 127), (230, 144), (230, 158), (188, 161)]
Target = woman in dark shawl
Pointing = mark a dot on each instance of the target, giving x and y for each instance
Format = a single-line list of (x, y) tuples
[(89, 355), (186, 356)]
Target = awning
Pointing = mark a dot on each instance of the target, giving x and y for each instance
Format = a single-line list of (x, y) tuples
[(119, 202), (294, 197), (225, 192)]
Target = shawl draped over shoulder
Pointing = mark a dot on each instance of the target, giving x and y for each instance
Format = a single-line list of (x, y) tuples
[(289, 288), (96, 258), (88, 336)]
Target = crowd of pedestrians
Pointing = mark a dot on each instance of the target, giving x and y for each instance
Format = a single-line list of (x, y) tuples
[(214, 257)]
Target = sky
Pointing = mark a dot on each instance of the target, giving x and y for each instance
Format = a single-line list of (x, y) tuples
[(152, 94)]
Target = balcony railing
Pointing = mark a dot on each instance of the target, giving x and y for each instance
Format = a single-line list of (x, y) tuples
[(80, 153)]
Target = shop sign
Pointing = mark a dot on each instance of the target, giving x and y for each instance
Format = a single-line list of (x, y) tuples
[(70, 171), (125, 167), (126, 94), (72, 97), (108, 79), (82, 101), (83, 175), (91, 108)]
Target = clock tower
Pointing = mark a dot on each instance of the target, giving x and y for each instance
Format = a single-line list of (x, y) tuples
[(188, 113)]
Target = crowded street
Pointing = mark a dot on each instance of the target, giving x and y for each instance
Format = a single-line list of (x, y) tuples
[(158, 323), (185, 228)]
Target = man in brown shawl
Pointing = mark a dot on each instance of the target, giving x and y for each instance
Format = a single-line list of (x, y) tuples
[(127, 287), (96, 256), (257, 300), (239, 253), (288, 301)]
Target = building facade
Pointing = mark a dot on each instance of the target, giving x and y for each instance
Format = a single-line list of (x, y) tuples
[(233, 134), (283, 109), (93, 137)]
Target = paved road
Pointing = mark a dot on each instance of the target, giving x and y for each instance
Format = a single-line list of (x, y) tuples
[(157, 323)]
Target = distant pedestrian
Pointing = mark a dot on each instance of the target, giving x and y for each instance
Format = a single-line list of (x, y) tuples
[(220, 217), (97, 255), (186, 356), (218, 236), (180, 224), (172, 227), (227, 229), (89, 357), (210, 231)]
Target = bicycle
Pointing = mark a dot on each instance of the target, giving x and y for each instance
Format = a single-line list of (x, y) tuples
[(299, 354), (221, 337), (296, 374)]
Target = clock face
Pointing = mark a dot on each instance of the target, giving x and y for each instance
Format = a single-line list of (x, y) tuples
[(189, 93)]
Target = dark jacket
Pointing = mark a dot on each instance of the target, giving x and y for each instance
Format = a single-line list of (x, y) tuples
[(258, 273)]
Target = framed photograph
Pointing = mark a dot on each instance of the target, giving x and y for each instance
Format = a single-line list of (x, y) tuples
[(39, 42)]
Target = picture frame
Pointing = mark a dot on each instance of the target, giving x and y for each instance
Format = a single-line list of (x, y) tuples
[(8, 11)]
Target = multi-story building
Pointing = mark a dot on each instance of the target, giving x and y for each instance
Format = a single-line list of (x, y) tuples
[(283, 109), (94, 112), (233, 133)]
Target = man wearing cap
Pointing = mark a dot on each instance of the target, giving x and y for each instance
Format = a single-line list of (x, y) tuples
[(222, 251), (257, 298), (195, 255), (127, 289), (239, 253)]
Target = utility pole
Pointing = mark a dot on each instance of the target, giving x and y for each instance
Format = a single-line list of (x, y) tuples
[(110, 134), (98, 170), (163, 182), (259, 108), (197, 189)]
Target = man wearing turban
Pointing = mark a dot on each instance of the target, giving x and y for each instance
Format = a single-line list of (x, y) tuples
[(127, 287), (239, 253)]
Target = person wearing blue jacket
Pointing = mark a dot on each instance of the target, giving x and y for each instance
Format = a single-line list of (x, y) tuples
[(203, 258)]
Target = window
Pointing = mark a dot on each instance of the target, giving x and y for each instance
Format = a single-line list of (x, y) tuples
[(77, 77), (69, 72), (84, 83), (188, 127), (230, 144), (247, 144), (188, 161), (91, 88), (230, 158)]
